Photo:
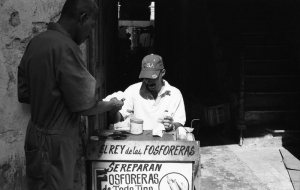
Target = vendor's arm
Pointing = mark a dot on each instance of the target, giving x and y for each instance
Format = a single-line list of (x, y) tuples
[(178, 112), (170, 124), (176, 125)]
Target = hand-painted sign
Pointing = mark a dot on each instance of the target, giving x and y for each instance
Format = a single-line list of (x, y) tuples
[(144, 150), (109, 175)]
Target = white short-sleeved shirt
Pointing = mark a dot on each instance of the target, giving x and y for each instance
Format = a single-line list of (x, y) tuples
[(150, 110)]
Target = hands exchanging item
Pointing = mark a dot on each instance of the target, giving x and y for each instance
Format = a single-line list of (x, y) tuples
[(167, 121), (117, 104)]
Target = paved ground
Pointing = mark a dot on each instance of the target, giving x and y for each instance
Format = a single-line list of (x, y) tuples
[(266, 164), (227, 166)]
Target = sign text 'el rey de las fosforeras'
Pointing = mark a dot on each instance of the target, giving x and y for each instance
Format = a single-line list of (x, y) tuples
[(144, 150)]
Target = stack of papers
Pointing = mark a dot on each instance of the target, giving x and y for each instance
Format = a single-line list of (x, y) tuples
[(158, 130), (122, 126)]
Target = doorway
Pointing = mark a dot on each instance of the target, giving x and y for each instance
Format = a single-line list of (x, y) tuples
[(136, 23), (123, 36)]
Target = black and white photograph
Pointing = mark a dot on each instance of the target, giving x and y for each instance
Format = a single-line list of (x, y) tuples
[(149, 94)]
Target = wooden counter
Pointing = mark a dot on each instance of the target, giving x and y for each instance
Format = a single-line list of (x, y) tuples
[(143, 162)]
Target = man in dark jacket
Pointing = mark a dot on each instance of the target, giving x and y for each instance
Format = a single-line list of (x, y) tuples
[(53, 79)]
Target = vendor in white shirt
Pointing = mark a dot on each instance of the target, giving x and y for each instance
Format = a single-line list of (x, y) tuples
[(153, 100)]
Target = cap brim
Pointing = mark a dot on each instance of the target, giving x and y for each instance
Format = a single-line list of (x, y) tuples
[(149, 74)]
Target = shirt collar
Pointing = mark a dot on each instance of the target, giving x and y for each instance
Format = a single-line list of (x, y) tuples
[(57, 27), (165, 90)]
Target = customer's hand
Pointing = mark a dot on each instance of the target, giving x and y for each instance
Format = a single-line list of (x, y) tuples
[(117, 105), (168, 123)]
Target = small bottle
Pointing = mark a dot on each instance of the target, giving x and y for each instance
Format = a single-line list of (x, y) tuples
[(160, 120), (166, 113)]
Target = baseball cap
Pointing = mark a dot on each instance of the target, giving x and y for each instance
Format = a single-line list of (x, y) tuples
[(151, 66)]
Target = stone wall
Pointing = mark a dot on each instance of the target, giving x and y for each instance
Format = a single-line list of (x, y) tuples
[(20, 20)]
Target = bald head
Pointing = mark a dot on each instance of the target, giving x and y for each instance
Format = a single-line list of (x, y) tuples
[(78, 18), (73, 8)]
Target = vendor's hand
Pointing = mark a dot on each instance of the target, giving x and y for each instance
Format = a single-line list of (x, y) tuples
[(167, 122), (117, 105)]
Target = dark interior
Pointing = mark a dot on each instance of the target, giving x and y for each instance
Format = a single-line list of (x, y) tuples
[(217, 52)]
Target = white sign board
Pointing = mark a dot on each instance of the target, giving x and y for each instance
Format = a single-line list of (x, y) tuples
[(144, 150), (110, 175)]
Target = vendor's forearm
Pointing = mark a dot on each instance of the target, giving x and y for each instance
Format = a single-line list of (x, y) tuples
[(98, 108), (176, 125)]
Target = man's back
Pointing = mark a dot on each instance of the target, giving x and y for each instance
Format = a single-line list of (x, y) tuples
[(47, 75)]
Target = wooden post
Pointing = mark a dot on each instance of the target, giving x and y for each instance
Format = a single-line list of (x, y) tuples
[(101, 50), (99, 59), (241, 125), (91, 67)]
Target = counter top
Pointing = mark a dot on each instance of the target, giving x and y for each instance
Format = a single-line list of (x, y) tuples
[(112, 135), (122, 145)]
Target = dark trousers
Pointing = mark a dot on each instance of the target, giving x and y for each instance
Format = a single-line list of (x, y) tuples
[(50, 158)]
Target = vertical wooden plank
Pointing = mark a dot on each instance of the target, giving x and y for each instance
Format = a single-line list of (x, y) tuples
[(105, 49), (241, 124), (100, 70), (91, 68)]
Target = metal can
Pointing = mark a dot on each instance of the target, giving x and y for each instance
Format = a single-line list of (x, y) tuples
[(136, 126)]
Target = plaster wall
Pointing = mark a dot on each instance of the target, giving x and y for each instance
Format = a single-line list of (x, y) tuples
[(20, 20)]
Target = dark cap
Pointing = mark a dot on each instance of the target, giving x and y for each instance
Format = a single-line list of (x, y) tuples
[(151, 66)]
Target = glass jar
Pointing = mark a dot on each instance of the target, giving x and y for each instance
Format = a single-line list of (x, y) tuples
[(136, 126)]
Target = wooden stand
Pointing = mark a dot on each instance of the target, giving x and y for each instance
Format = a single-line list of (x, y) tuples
[(142, 162)]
